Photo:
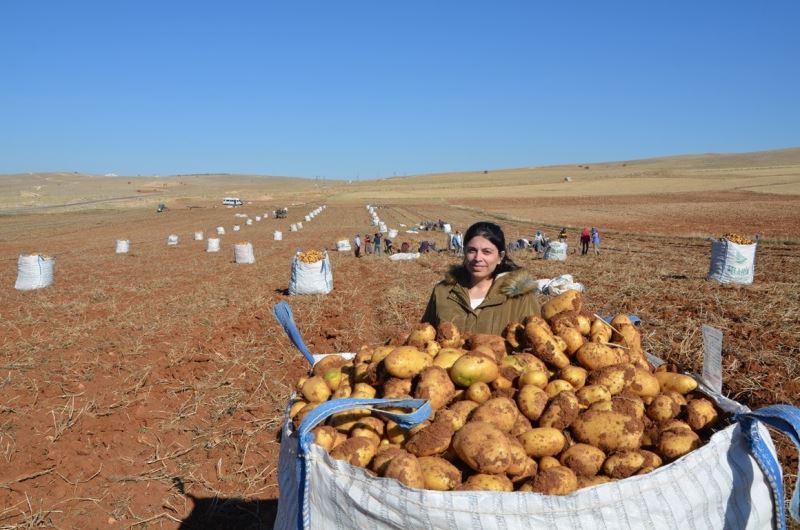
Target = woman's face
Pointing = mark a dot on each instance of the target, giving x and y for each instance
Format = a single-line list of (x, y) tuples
[(481, 257)]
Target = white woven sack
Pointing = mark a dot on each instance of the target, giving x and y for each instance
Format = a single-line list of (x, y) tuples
[(307, 218), (404, 256), (258, 218), (343, 245), (236, 228), (248, 222), (220, 231), (198, 236), (293, 227), (731, 262), (34, 272), (213, 245), (311, 278), (556, 250), (447, 228), (392, 233), (123, 246), (277, 235), (243, 253), (172, 240)]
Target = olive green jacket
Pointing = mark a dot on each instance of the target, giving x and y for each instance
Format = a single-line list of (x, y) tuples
[(511, 298)]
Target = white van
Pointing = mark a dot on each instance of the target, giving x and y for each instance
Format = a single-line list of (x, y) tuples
[(232, 201)]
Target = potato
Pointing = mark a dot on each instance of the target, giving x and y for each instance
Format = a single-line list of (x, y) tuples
[(548, 462), (588, 482), (592, 393), (303, 412), (342, 391), (558, 480), (644, 383), (533, 377), (344, 421), (663, 407), (381, 352), (615, 378), (406, 362), (584, 324), (315, 389), (543, 441), (432, 440), (496, 343), (520, 426), (333, 378), (700, 414), (339, 439), (623, 464), (383, 456), (584, 459), (370, 428), (531, 401), (447, 357), (324, 436), (561, 411), (486, 482), (573, 339), (556, 386), (521, 362), (674, 444), (545, 346), (469, 369), (363, 390), (514, 335), (357, 451), (519, 458), (457, 413), (567, 301), (327, 363), (680, 383), (395, 387), (394, 433), (651, 462), (594, 356), (421, 334), (607, 430), (296, 407), (575, 375), (600, 331), (448, 336), (478, 392), (364, 355), (629, 405), (435, 385), (500, 412), (439, 474), (483, 447), (502, 384), (405, 468), (529, 469)]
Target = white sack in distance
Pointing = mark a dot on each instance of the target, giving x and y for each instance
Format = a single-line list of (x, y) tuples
[(343, 245), (556, 251), (123, 245), (732, 263), (34, 272), (236, 228), (220, 231), (243, 253), (277, 235), (248, 222), (213, 245), (172, 240), (198, 236)]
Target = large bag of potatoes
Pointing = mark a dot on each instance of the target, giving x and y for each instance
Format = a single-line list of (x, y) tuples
[(733, 259), (556, 250), (311, 273), (561, 422)]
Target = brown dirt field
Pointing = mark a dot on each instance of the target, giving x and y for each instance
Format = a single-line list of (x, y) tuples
[(146, 390)]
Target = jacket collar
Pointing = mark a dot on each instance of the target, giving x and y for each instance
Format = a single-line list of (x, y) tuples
[(514, 284)]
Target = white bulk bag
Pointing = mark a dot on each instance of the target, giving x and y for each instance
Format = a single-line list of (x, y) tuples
[(258, 218), (311, 278), (559, 285), (404, 256), (307, 218), (172, 240), (243, 253), (293, 227), (447, 228), (236, 228), (731, 262), (34, 272), (277, 235), (220, 231), (123, 246), (392, 233), (343, 245), (213, 245), (248, 222), (198, 236), (299, 225), (556, 250)]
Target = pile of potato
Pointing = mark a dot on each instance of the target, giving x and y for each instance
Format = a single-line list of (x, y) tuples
[(311, 256), (737, 238), (560, 401)]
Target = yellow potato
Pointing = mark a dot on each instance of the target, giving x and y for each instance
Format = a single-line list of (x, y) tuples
[(483, 447), (405, 468), (531, 401), (344, 421), (548, 462), (594, 356), (296, 407), (432, 440), (559, 480), (588, 482), (592, 393), (448, 336), (457, 413), (316, 390), (495, 343), (324, 436), (364, 355), (384, 455), (435, 385), (533, 377), (357, 451), (469, 369), (561, 411), (644, 383), (478, 392), (447, 357), (543, 441), (522, 424), (370, 428), (575, 375), (573, 339), (381, 352), (329, 362), (514, 335), (674, 444), (333, 378), (609, 431), (663, 407), (680, 383), (363, 390), (421, 334), (615, 378), (700, 414), (500, 412), (439, 474), (623, 464), (557, 386), (545, 346), (567, 301), (395, 387), (486, 482), (406, 362), (584, 459), (584, 324), (600, 331)]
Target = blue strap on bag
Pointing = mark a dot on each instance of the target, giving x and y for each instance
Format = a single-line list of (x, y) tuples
[(283, 314), (786, 419)]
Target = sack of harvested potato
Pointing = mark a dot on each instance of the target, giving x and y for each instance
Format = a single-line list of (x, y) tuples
[(311, 273), (524, 439), (732, 262), (556, 250)]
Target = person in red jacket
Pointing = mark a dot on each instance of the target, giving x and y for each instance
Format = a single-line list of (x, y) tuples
[(586, 236)]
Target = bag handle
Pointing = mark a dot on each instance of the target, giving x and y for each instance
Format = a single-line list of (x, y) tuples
[(283, 314), (785, 419), (327, 409)]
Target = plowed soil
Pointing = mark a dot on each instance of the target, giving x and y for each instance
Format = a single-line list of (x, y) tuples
[(146, 390)]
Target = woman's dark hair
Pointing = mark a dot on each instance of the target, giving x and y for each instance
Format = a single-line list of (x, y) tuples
[(495, 235)]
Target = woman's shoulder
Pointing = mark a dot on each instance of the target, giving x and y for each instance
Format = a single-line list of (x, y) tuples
[(517, 283)]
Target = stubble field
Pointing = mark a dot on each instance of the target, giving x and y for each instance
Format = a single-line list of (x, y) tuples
[(146, 390)]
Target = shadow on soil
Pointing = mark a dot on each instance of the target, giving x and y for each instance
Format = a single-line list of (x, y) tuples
[(217, 513)]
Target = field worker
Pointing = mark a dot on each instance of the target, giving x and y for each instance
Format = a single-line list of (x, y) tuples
[(457, 243), (367, 245), (377, 241), (485, 292), (586, 236), (357, 245), (596, 241), (562, 236)]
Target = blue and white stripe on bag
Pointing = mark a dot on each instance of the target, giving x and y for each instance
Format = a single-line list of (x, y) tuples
[(785, 419)]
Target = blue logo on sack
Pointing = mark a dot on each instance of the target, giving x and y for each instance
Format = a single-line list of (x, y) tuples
[(740, 258)]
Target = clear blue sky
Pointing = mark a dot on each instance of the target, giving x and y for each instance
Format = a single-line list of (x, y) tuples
[(374, 88)]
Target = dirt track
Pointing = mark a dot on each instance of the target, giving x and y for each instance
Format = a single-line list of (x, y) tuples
[(138, 378)]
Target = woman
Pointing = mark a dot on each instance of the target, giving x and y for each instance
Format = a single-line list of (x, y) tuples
[(485, 292), (585, 238), (596, 241)]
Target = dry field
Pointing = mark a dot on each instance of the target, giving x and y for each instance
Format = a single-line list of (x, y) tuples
[(146, 390)]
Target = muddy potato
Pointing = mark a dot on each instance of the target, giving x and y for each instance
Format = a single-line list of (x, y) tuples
[(324, 436), (438, 474), (651, 462), (395, 388), (584, 324), (519, 458), (339, 439), (674, 444), (361, 372), (448, 335), (344, 421), (592, 393), (567, 301), (556, 386), (548, 462), (447, 357), (561, 411), (584, 459), (520, 426), (630, 405), (663, 407), (501, 384), (609, 431), (600, 331), (384, 455), (486, 482), (369, 427), (500, 412), (363, 390), (432, 440), (422, 333), (315, 389), (405, 468), (575, 375), (436, 386), (531, 401), (615, 378), (644, 384), (457, 413), (470, 369), (327, 363), (573, 339), (680, 383), (623, 464), (478, 392), (406, 361), (483, 447), (534, 377), (364, 355), (545, 346), (588, 482), (381, 352), (524, 361), (529, 469), (357, 451), (559, 480), (542, 441), (495, 343), (514, 335), (333, 378), (303, 412), (296, 407), (700, 414), (594, 356)]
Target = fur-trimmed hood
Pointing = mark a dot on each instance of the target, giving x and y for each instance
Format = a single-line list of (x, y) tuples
[(512, 284)]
